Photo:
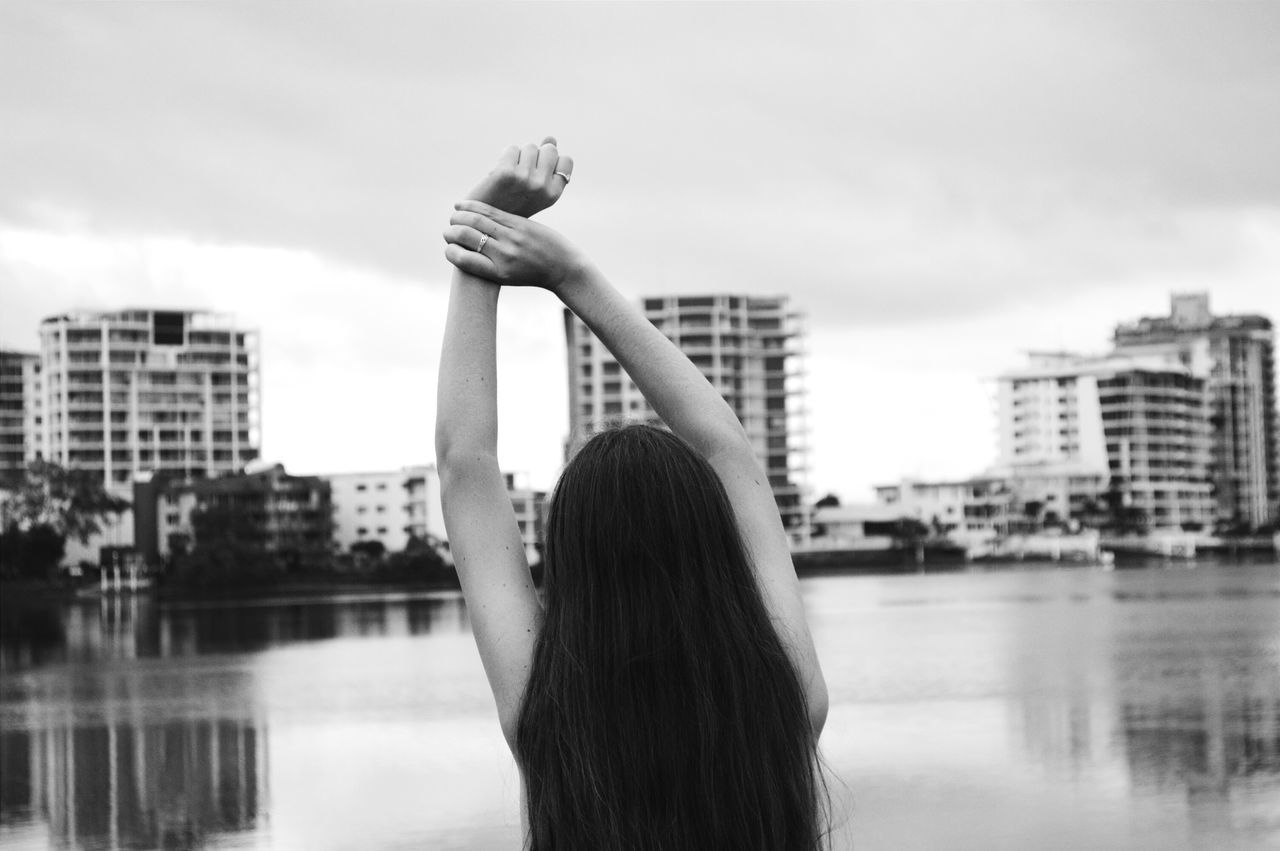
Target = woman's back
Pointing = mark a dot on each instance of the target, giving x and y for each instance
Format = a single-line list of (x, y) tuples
[(662, 710)]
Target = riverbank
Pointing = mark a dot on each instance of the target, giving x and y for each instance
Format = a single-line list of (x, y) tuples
[(318, 587)]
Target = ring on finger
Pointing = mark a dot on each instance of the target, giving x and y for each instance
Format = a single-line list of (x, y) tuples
[(565, 176), (484, 237)]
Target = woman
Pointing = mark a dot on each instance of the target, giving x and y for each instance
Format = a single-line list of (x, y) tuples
[(665, 694)]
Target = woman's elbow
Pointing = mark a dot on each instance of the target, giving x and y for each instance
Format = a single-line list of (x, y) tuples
[(819, 704)]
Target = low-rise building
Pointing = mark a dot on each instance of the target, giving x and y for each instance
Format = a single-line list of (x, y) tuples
[(968, 511), (288, 516)]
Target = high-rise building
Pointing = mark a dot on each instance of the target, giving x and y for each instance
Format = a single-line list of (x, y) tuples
[(143, 390), (1134, 425), (1237, 354), (19, 412), (748, 347)]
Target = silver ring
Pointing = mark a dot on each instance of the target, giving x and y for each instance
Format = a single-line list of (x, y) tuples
[(565, 176), (484, 237)]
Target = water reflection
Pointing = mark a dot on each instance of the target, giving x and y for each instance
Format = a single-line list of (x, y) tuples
[(134, 785), (39, 633), (1148, 701)]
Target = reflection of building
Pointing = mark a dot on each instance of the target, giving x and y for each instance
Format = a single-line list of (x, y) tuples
[(20, 412), (748, 348), (128, 784), (1237, 353)]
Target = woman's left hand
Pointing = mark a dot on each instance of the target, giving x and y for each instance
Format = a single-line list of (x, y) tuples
[(526, 180), (510, 250)]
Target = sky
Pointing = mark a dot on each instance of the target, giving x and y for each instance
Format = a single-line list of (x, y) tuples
[(939, 188)]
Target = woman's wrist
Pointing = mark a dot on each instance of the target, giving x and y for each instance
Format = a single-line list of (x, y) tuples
[(579, 275)]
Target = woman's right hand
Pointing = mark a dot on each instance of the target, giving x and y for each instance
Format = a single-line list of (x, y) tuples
[(511, 250)]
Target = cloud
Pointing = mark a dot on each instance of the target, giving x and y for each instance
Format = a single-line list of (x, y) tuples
[(936, 185), (917, 148)]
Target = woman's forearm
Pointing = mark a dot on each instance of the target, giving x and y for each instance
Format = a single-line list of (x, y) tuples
[(678, 391), (466, 395)]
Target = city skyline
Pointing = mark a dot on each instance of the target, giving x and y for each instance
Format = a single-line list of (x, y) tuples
[(837, 155)]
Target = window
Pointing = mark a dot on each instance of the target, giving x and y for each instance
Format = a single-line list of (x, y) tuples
[(362, 487)]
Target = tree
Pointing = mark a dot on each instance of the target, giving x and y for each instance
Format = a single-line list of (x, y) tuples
[(228, 552), (828, 501), (373, 549), (32, 553), (71, 502)]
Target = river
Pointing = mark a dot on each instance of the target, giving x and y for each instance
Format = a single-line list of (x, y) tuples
[(1035, 708)]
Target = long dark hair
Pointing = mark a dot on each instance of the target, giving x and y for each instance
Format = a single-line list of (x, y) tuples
[(662, 710)]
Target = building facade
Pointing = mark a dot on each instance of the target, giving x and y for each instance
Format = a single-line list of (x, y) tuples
[(394, 506), (1075, 431), (1237, 356), (749, 348), (969, 511), (288, 516), (143, 390), (20, 412), (389, 506)]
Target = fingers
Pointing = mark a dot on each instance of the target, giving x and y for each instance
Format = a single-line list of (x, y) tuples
[(548, 156), (464, 236), (564, 168), (478, 222), (528, 158), (509, 157), (471, 263), (492, 213)]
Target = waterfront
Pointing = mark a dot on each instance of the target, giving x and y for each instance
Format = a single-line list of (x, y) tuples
[(1041, 707)]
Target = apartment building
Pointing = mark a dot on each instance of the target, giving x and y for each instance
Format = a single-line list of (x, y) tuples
[(394, 505), (969, 511), (290, 516), (1072, 427), (20, 412), (144, 390), (389, 506), (530, 506), (1237, 356), (749, 348)]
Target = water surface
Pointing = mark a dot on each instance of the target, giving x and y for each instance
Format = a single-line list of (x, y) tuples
[(1034, 708)]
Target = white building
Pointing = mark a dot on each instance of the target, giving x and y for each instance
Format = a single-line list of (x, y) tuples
[(138, 391), (1236, 356), (1073, 426), (749, 348), (394, 505), (969, 511), (20, 412), (388, 506)]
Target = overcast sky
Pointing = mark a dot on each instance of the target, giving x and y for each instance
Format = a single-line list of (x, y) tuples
[(939, 187)]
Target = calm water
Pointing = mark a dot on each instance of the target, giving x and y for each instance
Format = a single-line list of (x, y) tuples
[(1029, 709)]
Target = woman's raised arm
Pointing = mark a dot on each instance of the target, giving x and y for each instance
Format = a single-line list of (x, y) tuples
[(522, 252), (483, 534)]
